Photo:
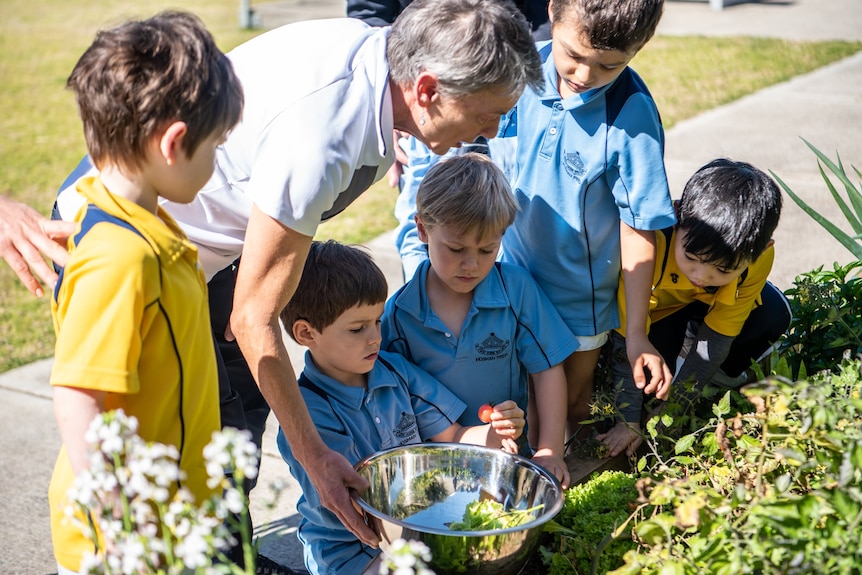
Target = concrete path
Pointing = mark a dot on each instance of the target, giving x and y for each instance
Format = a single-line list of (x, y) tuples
[(824, 107)]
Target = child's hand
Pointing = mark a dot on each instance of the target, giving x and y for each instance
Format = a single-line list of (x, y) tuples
[(622, 437), (507, 420), (643, 356), (555, 464)]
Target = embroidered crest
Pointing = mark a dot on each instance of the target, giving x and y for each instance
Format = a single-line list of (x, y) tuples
[(574, 165), (406, 429), (492, 348)]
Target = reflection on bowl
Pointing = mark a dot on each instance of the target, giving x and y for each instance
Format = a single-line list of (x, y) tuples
[(416, 491)]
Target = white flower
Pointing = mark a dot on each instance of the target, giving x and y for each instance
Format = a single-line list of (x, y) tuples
[(148, 525), (406, 558)]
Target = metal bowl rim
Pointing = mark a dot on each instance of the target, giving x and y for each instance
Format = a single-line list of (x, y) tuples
[(541, 519)]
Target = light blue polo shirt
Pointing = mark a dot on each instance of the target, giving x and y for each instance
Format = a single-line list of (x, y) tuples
[(511, 331), (583, 164), (401, 405)]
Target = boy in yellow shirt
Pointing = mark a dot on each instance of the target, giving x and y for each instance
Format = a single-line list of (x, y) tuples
[(710, 274), (156, 97)]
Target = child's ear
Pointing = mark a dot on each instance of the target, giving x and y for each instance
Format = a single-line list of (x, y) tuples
[(303, 333), (169, 143), (421, 230)]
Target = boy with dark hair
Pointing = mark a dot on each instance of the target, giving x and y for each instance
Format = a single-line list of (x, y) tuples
[(362, 399), (155, 97), (710, 280)]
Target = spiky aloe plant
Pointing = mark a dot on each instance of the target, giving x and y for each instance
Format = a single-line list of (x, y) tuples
[(851, 208)]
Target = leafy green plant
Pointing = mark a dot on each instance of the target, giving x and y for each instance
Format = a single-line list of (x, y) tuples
[(777, 490), (851, 208), (592, 532), (827, 319)]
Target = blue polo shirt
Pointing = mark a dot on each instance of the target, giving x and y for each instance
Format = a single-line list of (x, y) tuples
[(400, 405), (511, 331), (583, 164)]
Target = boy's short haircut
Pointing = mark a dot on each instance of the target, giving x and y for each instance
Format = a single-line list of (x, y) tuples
[(336, 277), (729, 211), (468, 192), (621, 25), (136, 79)]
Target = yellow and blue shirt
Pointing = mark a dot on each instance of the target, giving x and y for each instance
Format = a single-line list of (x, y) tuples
[(729, 305), (131, 317)]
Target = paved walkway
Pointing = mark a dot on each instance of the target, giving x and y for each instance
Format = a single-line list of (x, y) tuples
[(824, 107)]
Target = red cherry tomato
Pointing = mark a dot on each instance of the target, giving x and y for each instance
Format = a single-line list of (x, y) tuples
[(485, 411)]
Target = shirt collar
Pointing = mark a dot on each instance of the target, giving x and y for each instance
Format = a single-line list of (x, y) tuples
[(348, 395), (726, 294), (383, 96), (162, 232), (413, 298)]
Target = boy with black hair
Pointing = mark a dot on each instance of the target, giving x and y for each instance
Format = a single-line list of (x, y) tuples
[(709, 280), (362, 399), (156, 97)]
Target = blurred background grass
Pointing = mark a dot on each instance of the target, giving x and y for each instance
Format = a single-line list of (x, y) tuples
[(41, 141)]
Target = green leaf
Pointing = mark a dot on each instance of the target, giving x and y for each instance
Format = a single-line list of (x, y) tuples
[(843, 238), (684, 443), (722, 408)]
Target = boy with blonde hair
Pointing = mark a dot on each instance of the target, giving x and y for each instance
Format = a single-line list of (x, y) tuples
[(484, 329), (130, 307)]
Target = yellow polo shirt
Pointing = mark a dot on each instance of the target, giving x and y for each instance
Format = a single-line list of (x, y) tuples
[(132, 319), (729, 305)]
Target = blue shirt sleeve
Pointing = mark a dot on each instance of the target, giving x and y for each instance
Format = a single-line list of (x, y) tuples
[(637, 177), (411, 249)]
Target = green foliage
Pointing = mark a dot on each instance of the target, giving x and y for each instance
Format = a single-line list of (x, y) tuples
[(591, 534), (827, 319), (774, 490), (485, 514), (851, 208)]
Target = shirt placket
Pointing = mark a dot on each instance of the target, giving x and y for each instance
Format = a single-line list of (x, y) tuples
[(552, 133)]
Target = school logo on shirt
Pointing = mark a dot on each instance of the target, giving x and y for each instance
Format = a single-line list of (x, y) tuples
[(492, 348), (406, 430), (574, 165)]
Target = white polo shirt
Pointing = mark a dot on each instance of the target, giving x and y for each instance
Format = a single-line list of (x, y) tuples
[(316, 132)]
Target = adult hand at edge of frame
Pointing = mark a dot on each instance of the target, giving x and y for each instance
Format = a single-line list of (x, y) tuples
[(27, 238), (334, 477)]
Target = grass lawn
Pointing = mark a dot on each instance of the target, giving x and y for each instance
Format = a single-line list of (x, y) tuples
[(40, 135)]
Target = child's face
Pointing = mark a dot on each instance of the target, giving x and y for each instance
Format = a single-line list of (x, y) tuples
[(347, 349), (700, 273), (579, 66), (460, 261)]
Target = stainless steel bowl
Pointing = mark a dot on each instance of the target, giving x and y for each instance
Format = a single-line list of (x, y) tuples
[(417, 490)]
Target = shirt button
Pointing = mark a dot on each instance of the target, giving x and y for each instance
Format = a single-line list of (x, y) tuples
[(558, 106), (448, 335), (553, 131), (377, 419)]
